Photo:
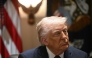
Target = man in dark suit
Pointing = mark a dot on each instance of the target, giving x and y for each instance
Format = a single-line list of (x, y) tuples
[(53, 35)]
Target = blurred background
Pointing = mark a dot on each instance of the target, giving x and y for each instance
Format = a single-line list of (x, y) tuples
[(18, 21)]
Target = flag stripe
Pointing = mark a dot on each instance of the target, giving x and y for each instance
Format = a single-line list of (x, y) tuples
[(12, 30), (3, 51), (15, 3), (9, 44), (13, 15), (0, 42), (10, 40), (0, 56)]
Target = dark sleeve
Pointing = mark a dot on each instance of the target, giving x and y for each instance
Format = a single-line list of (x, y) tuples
[(21, 56)]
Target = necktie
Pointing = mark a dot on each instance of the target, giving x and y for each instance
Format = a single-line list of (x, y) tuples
[(57, 56)]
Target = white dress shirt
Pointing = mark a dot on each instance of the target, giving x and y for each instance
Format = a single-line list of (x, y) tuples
[(51, 55)]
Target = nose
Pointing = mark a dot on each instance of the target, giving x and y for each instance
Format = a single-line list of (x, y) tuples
[(63, 35)]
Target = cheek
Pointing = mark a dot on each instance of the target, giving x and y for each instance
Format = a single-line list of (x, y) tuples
[(54, 41)]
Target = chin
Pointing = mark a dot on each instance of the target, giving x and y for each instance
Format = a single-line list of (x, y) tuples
[(66, 46)]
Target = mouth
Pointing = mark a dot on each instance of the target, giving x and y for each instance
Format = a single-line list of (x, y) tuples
[(64, 44)]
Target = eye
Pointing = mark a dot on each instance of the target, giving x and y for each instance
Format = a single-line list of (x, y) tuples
[(65, 31), (57, 33)]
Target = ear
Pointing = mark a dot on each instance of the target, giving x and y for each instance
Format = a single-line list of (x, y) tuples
[(44, 40)]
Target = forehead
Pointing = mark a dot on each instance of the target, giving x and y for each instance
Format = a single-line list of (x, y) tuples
[(59, 26)]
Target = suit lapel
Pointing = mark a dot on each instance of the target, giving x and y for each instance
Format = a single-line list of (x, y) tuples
[(42, 52), (69, 53)]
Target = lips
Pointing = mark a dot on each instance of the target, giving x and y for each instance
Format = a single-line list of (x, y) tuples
[(65, 43)]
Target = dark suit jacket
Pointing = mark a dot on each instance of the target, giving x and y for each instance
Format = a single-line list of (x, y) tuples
[(41, 52)]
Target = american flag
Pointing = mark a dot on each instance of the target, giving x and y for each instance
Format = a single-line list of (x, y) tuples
[(10, 36)]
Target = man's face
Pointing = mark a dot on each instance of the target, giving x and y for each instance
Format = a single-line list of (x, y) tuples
[(57, 38)]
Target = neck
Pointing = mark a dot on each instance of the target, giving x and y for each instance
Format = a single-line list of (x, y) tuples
[(56, 52)]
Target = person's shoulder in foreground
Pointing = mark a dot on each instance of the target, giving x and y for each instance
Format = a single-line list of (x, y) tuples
[(53, 35), (39, 52), (75, 53)]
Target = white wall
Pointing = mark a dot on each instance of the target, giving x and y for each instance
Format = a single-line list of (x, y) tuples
[(28, 32)]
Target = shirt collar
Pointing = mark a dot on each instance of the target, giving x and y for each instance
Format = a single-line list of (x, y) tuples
[(51, 55)]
